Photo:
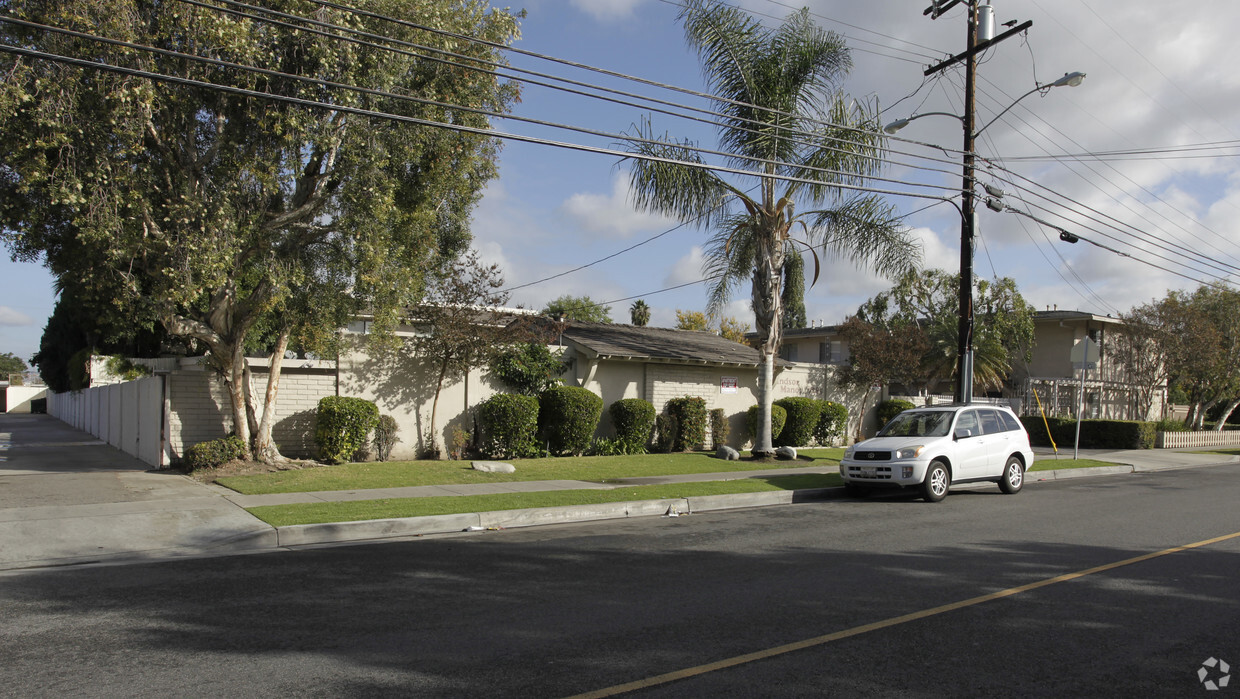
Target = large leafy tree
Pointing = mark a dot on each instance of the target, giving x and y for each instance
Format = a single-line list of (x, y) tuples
[(927, 300), (579, 308), (215, 210), (879, 356), (785, 120)]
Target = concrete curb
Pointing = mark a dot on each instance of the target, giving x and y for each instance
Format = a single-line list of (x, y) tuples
[(333, 532), (1069, 473)]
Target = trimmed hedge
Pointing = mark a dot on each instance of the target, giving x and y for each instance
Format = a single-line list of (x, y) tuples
[(720, 428), (778, 417), (342, 427), (509, 425), (802, 418), (633, 419), (213, 453), (1095, 434), (831, 424), (567, 418), (891, 408), (690, 414)]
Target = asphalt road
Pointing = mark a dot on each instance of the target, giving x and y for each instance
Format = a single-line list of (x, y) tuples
[(868, 586)]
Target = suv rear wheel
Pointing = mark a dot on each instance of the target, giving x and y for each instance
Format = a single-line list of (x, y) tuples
[(1013, 476), (938, 481)]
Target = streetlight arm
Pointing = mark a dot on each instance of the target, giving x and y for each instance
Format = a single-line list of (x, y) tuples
[(901, 123), (1069, 79)]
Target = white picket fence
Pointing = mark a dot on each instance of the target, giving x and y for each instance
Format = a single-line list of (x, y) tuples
[(128, 416), (1180, 440)]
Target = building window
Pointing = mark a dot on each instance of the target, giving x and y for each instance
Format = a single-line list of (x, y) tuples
[(788, 353)]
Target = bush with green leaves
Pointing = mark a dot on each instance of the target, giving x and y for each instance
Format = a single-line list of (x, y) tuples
[(891, 408), (1170, 424), (832, 423), (719, 428), (567, 419), (528, 368), (778, 417), (342, 427), (690, 414), (213, 453), (802, 418), (665, 428), (509, 425), (633, 419), (385, 437)]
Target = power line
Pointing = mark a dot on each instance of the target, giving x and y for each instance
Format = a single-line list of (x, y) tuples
[(495, 72), (418, 100)]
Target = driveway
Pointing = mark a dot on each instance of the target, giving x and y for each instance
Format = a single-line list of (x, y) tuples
[(68, 498)]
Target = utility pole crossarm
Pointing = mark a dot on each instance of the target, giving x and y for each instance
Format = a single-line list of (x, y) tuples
[(979, 48)]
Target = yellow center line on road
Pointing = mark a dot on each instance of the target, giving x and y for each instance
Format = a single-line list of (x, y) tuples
[(886, 623)]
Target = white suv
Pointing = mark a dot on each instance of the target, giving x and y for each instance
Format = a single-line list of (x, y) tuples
[(932, 448)]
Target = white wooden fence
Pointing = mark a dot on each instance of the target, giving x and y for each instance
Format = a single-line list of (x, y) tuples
[(129, 416)]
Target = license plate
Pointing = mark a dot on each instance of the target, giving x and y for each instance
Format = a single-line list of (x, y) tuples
[(868, 472)]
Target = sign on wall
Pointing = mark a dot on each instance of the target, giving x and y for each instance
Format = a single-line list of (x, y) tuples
[(728, 384)]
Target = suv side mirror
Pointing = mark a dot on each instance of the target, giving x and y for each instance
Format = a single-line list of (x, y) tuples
[(963, 433)]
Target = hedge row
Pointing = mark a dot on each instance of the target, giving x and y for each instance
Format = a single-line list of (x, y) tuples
[(1095, 434)]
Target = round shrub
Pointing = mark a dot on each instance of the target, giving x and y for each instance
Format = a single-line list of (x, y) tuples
[(213, 453), (778, 417), (509, 425), (891, 408), (832, 423), (719, 427), (690, 414), (633, 419), (342, 427), (665, 428), (803, 414), (567, 418)]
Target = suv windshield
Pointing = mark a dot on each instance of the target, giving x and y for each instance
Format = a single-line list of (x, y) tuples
[(929, 423)]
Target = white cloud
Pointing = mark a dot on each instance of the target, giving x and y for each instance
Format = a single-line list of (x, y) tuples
[(14, 318), (604, 10), (611, 214), (687, 269)]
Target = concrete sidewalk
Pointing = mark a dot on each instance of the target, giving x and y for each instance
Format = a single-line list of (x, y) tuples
[(69, 499)]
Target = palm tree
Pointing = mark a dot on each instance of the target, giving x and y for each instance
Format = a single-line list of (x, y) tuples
[(639, 312), (784, 118)]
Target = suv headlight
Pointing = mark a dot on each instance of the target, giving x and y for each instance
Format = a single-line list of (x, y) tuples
[(910, 452), (848, 451)]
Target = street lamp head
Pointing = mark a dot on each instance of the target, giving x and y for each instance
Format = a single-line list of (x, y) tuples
[(896, 125), (1070, 79)]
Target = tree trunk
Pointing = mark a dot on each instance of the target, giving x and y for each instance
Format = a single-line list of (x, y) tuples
[(767, 315), (1227, 411), (265, 449), (433, 447), (234, 381)]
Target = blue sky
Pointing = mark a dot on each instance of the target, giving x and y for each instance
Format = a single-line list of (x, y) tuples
[(1158, 76)]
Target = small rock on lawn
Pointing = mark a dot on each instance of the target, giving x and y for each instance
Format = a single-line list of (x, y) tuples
[(494, 467)]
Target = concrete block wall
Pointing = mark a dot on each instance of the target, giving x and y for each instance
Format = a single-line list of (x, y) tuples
[(199, 408)]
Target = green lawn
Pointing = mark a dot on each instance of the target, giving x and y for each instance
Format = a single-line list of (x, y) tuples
[(1050, 463), (397, 474), (312, 513)]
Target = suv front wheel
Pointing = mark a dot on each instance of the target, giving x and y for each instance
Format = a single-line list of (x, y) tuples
[(937, 482)]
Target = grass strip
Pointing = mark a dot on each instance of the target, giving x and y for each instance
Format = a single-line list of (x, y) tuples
[(1050, 463), (399, 474), (315, 513)]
